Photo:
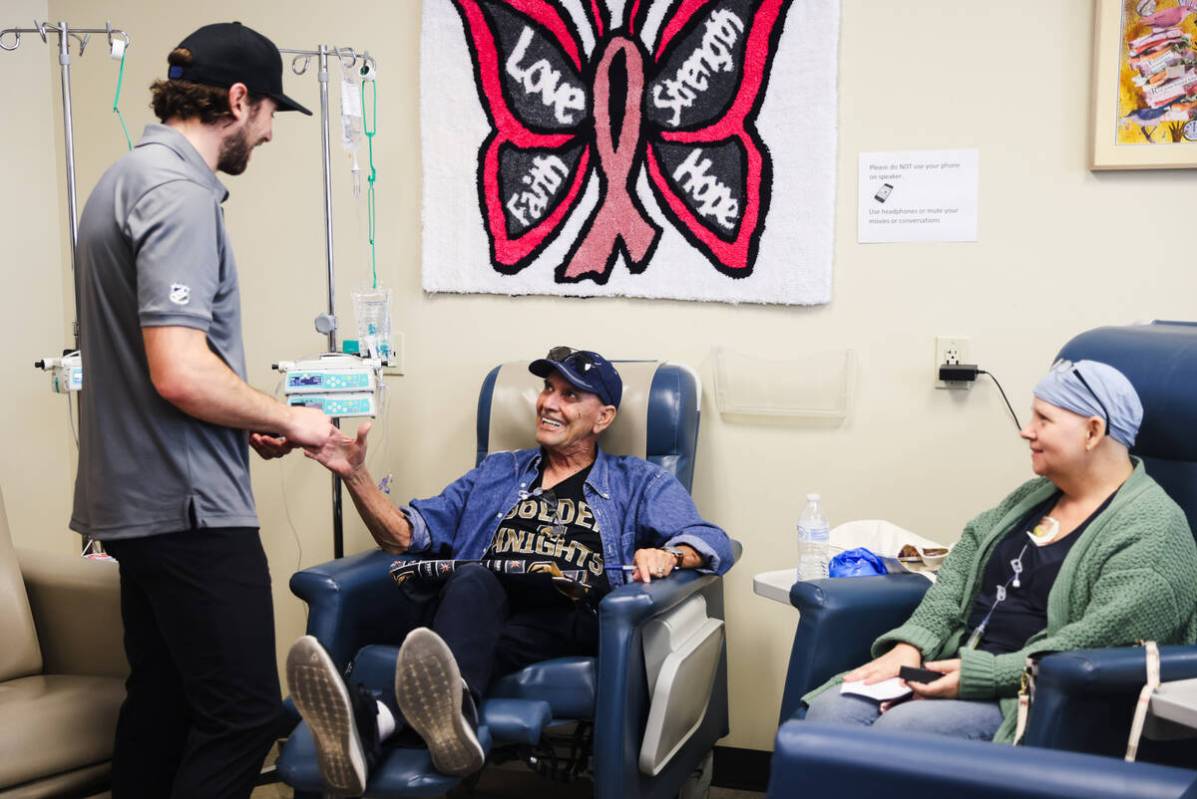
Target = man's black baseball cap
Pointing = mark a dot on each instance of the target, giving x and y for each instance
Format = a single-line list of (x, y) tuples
[(228, 52)]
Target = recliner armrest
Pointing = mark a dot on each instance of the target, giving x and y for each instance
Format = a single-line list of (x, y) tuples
[(635, 603), (352, 602), (853, 763), (1084, 699), (1098, 671), (839, 618), (76, 605), (623, 699)]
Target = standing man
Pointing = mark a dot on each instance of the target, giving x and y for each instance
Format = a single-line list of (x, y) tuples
[(163, 475)]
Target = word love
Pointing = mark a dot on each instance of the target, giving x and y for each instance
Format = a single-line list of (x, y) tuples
[(714, 54), (547, 174), (715, 200), (540, 78)]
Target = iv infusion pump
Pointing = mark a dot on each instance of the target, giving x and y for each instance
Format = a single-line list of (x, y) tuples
[(66, 372), (340, 385)]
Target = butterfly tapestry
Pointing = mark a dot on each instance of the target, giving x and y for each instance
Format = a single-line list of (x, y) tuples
[(621, 137)]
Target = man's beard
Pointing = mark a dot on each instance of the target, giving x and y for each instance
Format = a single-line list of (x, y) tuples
[(234, 153)]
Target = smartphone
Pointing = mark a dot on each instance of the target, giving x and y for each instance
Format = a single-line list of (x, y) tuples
[(910, 674), (883, 193)]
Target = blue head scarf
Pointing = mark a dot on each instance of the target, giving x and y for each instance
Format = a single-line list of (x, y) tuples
[(1092, 388)]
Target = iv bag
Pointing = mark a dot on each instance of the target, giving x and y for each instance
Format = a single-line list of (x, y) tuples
[(351, 110), (351, 124), (372, 309)]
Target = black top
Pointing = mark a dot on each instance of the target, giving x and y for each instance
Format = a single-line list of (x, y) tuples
[(1024, 610), (555, 531)]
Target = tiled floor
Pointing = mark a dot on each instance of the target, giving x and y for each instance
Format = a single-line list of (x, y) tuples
[(512, 784)]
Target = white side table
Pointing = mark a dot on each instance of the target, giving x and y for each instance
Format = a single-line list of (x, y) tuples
[(1176, 702), (775, 585)]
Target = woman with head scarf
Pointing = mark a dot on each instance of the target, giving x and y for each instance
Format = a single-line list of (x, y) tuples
[(1090, 553)]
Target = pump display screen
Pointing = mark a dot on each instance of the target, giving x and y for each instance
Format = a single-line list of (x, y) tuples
[(329, 381)]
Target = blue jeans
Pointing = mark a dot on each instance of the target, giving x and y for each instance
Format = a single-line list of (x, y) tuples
[(959, 718)]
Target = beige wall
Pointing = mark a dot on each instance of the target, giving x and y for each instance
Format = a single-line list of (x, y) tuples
[(1061, 250), (35, 469)]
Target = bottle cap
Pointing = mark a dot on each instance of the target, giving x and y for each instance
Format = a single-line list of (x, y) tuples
[(812, 497)]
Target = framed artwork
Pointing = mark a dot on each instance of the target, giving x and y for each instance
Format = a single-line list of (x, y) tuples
[(1144, 85)]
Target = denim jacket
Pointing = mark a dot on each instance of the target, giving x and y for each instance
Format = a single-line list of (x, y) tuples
[(636, 503)]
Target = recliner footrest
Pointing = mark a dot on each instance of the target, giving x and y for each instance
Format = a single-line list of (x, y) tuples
[(401, 772), (568, 684), (516, 721)]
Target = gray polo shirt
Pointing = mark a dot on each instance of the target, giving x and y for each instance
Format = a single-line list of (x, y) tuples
[(153, 252)]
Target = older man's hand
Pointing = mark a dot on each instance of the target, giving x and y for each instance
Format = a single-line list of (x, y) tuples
[(342, 455), (652, 563)]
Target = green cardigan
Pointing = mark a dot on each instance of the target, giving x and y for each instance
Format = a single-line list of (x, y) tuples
[(1131, 576)]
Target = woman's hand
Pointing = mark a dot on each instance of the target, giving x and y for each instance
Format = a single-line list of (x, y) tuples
[(946, 687), (886, 666)]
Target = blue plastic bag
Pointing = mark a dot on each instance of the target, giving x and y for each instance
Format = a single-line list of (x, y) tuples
[(858, 562)]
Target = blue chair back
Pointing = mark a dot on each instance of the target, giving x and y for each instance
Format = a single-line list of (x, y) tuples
[(1160, 360), (658, 416)]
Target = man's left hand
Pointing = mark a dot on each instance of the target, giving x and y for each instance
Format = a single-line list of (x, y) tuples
[(270, 446), (946, 687), (652, 563)]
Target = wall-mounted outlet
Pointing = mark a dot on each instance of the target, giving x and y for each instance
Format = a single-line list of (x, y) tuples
[(951, 350), (395, 367)]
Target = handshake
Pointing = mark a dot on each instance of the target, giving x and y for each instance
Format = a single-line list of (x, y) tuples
[(312, 431)]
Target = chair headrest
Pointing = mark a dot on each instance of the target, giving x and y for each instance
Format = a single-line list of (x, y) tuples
[(1160, 360), (509, 403)]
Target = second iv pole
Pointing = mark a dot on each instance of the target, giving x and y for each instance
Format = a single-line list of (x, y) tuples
[(326, 323)]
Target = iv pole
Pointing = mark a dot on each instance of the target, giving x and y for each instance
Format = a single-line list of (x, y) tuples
[(82, 36), (326, 323)]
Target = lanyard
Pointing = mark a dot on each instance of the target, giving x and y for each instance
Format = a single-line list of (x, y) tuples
[(1012, 581)]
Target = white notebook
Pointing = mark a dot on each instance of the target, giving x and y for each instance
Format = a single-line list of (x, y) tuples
[(884, 691)]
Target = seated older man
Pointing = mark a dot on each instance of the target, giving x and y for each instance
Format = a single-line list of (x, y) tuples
[(566, 513)]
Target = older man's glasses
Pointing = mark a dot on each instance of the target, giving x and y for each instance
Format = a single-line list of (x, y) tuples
[(1066, 366), (574, 359), (581, 363)]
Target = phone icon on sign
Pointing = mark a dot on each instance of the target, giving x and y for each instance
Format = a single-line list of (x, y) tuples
[(883, 193)]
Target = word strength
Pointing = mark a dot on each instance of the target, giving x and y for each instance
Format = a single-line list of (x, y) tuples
[(714, 54)]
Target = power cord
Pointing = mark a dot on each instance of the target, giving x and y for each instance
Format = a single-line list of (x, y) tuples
[(1013, 415), (967, 373)]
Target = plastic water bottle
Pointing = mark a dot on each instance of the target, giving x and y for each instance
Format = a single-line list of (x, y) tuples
[(813, 534)]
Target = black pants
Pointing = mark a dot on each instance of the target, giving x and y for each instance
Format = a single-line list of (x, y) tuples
[(492, 634), (202, 704)]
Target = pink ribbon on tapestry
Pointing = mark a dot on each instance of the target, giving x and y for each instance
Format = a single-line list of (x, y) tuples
[(618, 217)]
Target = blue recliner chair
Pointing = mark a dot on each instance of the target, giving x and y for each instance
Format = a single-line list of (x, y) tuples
[(1084, 700), (643, 729)]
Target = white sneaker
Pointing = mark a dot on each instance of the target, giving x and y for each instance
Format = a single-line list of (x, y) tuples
[(324, 701), (430, 692)]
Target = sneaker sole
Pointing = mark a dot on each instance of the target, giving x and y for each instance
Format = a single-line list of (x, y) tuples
[(428, 688), (323, 701)]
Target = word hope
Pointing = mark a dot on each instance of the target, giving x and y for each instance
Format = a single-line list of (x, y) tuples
[(715, 200)]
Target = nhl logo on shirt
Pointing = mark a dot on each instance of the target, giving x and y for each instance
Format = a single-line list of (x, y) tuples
[(180, 294)]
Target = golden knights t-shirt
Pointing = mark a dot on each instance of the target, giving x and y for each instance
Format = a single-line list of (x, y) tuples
[(555, 532)]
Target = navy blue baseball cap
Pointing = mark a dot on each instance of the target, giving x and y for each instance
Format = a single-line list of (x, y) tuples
[(583, 369)]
